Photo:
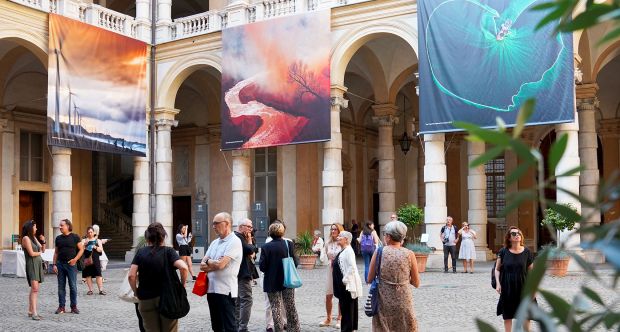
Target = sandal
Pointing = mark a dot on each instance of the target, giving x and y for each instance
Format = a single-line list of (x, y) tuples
[(102, 293), (325, 323), (89, 292)]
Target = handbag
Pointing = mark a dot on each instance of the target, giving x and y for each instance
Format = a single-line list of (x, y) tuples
[(88, 261), (125, 293), (371, 307), (291, 277), (201, 285), (173, 303)]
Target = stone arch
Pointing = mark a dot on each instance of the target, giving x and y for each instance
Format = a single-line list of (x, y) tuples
[(350, 42), (400, 82), (377, 75), (36, 44), (180, 70), (612, 51)]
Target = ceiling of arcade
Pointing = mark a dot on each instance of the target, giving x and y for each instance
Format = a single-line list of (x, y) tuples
[(198, 99), (380, 72), (608, 81), (23, 80), (180, 8)]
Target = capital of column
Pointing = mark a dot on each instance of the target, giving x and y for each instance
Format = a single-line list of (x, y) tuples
[(4, 125), (164, 117), (240, 153), (587, 104), (384, 109), (586, 90), (385, 120)]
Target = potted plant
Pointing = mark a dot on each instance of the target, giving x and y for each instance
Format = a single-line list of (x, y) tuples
[(557, 263), (412, 216), (307, 258), (421, 252)]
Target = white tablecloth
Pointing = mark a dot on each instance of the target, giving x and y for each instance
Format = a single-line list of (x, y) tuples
[(13, 263)]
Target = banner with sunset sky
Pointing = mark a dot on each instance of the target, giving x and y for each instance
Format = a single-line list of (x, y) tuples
[(276, 82), (96, 89)]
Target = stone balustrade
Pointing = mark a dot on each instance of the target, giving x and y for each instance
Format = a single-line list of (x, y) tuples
[(213, 20)]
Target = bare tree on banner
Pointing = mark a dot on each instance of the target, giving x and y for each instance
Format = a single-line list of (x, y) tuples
[(480, 60), (96, 88), (276, 82)]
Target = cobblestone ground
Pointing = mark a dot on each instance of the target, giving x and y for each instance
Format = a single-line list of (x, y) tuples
[(444, 302)]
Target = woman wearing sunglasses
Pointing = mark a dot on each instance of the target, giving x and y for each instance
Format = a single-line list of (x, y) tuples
[(514, 261)]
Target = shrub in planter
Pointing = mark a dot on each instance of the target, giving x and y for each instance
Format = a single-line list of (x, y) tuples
[(421, 252), (303, 246), (411, 216)]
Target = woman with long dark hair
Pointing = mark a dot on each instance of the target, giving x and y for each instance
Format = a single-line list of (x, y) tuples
[(515, 261), (33, 248), (148, 269), (184, 238), (92, 252)]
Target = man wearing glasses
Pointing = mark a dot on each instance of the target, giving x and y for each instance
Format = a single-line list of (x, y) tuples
[(222, 262), (244, 278)]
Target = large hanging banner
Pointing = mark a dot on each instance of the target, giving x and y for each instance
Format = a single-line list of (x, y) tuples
[(96, 89), (276, 82), (480, 60)]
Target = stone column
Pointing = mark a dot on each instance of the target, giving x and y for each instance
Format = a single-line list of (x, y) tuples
[(588, 143), (569, 160), (7, 177), (141, 197), (332, 164), (143, 20), (164, 120), (61, 187), (477, 211), (164, 21), (435, 179), (240, 186), (385, 117)]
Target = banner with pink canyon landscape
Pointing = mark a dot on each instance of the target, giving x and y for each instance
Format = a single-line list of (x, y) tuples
[(276, 82)]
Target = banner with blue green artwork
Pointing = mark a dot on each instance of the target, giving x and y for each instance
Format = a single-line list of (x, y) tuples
[(480, 60)]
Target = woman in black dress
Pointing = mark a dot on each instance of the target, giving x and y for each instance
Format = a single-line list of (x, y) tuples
[(92, 250), (514, 261)]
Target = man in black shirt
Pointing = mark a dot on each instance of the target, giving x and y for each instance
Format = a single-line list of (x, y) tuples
[(69, 249), (244, 278)]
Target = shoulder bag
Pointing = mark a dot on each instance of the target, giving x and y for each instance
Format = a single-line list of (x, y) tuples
[(291, 277), (371, 307), (173, 303)]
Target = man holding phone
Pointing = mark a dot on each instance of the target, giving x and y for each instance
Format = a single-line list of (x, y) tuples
[(448, 237)]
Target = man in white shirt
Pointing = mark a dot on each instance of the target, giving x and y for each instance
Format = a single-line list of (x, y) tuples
[(221, 262)]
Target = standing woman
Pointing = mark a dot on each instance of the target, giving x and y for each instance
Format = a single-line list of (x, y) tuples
[(467, 252), (92, 252), (515, 261), (184, 239), (318, 247), (347, 283), (33, 249), (332, 248), (398, 270), (369, 241), (148, 269), (279, 296)]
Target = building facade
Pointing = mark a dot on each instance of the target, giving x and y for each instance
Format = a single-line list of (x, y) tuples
[(360, 174)]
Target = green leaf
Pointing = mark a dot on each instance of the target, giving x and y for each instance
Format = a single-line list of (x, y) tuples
[(592, 295), (560, 307), (584, 202), (487, 156), (524, 114), (523, 151), (518, 172), (588, 18), (609, 36), (484, 326), (560, 10), (611, 319), (557, 150), (568, 212), (534, 277)]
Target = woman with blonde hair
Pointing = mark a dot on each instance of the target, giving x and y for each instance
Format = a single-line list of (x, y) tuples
[(332, 248), (398, 270)]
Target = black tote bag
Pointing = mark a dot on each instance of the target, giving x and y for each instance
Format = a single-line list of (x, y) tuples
[(173, 303)]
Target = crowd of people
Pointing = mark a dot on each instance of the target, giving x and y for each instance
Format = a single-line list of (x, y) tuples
[(230, 266)]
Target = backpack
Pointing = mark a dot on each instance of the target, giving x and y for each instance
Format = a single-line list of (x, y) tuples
[(368, 244)]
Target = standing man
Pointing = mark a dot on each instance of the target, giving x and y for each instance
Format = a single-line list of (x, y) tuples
[(69, 249), (355, 231), (221, 262), (244, 278), (448, 237)]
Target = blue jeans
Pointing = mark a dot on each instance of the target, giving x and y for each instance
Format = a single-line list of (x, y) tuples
[(367, 257), (66, 272)]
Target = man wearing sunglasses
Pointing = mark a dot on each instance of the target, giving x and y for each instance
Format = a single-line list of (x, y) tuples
[(448, 237)]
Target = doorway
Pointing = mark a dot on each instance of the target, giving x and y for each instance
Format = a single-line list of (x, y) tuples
[(31, 207), (181, 214)]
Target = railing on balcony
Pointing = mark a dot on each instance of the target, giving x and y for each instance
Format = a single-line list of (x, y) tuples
[(196, 24), (275, 8)]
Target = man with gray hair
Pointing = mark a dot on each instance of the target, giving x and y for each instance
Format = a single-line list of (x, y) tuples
[(222, 262), (448, 236), (244, 278)]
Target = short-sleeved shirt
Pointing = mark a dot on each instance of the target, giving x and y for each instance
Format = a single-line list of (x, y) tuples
[(151, 269), (224, 281), (66, 247)]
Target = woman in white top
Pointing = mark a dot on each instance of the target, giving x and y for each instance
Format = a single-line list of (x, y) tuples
[(347, 283), (318, 247), (468, 249), (185, 252), (332, 248)]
